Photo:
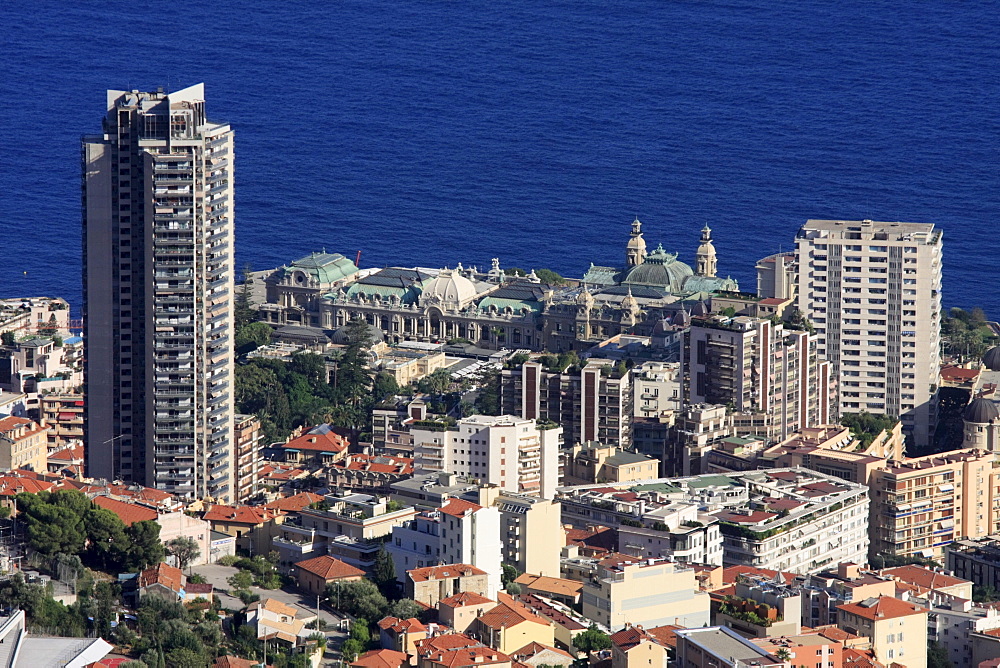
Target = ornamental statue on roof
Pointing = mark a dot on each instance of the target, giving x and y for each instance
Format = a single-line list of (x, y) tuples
[(659, 272)]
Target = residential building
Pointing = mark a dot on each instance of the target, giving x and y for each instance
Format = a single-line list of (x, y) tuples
[(593, 462), (556, 589), (158, 295), (170, 584), (656, 388), (35, 315), (23, 445), (66, 460), (760, 369), (460, 610), (381, 658), (62, 413), (761, 608), (347, 528), (278, 621), (777, 276), (461, 532), (254, 527), (371, 474), (593, 403), (635, 647), (321, 445), (314, 575), (401, 634), (519, 455), (531, 533), (23, 649), (246, 432), (976, 560), (696, 430), (873, 292), (431, 584), (649, 592), (981, 424), (537, 655), (897, 629), (920, 505), (509, 626), (457, 651), (719, 647), (807, 649)]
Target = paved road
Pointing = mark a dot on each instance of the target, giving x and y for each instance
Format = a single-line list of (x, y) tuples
[(217, 575)]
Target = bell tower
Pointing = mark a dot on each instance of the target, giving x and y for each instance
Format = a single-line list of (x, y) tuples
[(706, 262), (635, 251)]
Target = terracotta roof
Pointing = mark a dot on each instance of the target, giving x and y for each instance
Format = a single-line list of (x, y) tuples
[(469, 656), (731, 573), (329, 568), (197, 588), (533, 648), (323, 440), (509, 613), (294, 504), (855, 658), (377, 464), (459, 507), (772, 301), (10, 423), (922, 576), (543, 609), (601, 538), (162, 574), (665, 635), (884, 607), (130, 513), (396, 625), (276, 606), (70, 454), (236, 662), (629, 637), (441, 572), (552, 585), (240, 514), (754, 517), (381, 658), (141, 493), (463, 599), (446, 642), (13, 485)]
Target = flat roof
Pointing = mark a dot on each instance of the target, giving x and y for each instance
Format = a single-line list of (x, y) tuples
[(723, 643)]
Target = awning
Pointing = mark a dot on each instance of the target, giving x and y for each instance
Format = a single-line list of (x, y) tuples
[(945, 488)]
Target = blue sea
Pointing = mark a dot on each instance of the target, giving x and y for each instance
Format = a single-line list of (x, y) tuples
[(431, 133)]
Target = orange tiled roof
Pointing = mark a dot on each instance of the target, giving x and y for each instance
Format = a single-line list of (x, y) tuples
[(130, 513), (381, 658), (140, 492), (533, 648), (240, 514), (162, 574), (855, 658), (295, 503), (509, 613), (377, 464), (70, 454), (446, 642), (10, 423), (441, 572), (397, 625), (886, 607), (548, 584), (464, 598), (14, 485), (322, 441), (665, 635), (922, 576), (236, 662), (329, 568), (459, 507)]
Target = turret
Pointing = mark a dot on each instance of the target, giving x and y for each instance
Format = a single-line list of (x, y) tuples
[(705, 257), (635, 251)]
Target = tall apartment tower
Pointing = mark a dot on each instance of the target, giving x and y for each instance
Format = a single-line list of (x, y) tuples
[(771, 376), (158, 291), (873, 292)]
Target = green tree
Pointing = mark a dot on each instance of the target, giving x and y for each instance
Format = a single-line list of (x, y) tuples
[(405, 608), (488, 399), (244, 310), (360, 599), (384, 573), (145, 548), (55, 521), (185, 550), (252, 336), (108, 542), (937, 656), (182, 657), (8, 338), (515, 271), (351, 649), (360, 632), (591, 640), (436, 383), (550, 277), (865, 426), (241, 580), (508, 574)]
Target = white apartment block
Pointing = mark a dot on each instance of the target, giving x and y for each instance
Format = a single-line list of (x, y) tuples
[(759, 368), (873, 292), (461, 532), (656, 388), (158, 291), (518, 455)]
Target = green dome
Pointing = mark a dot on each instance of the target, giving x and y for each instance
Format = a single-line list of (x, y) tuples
[(661, 269), (323, 267)]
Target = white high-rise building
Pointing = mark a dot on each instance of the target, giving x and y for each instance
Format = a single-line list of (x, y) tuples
[(873, 292), (516, 454), (158, 294)]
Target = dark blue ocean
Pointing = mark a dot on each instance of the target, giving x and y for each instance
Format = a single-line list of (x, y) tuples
[(438, 132)]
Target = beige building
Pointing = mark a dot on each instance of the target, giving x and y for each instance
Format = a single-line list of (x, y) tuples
[(872, 290), (248, 460), (897, 629), (635, 647), (23, 445), (407, 366), (431, 584), (314, 575), (592, 462), (565, 591), (158, 295), (63, 415), (531, 533), (509, 626), (519, 455), (459, 611), (649, 592), (921, 505)]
